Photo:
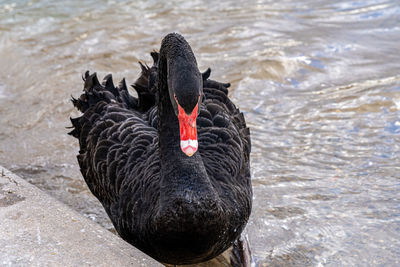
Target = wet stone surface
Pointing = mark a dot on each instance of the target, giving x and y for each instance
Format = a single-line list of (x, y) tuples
[(9, 198)]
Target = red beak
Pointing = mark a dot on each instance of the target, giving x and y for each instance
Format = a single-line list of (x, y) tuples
[(188, 131)]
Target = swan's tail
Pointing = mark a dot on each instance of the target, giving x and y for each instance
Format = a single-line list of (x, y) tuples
[(95, 92)]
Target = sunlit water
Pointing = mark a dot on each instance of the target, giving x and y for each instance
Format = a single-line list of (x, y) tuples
[(319, 82)]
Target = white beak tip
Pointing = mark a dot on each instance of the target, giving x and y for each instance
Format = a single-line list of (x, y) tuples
[(189, 147)]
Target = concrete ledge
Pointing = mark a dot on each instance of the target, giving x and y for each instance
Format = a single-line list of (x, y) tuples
[(37, 230)]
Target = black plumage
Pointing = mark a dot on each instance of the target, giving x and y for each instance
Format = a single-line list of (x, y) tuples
[(177, 209)]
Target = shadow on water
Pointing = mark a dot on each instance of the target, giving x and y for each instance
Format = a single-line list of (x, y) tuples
[(319, 83)]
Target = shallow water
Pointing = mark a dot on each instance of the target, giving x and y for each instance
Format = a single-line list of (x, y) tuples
[(319, 82)]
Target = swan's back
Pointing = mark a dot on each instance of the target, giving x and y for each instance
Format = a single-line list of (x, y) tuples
[(119, 158)]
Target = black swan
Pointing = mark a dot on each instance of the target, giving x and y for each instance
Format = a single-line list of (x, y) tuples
[(171, 167)]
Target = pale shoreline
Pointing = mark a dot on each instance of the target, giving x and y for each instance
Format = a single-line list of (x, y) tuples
[(38, 230)]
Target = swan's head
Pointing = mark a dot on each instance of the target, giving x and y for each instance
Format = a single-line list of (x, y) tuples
[(186, 86)]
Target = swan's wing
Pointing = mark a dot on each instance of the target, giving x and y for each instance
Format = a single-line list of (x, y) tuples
[(113, 136), (224, 139)]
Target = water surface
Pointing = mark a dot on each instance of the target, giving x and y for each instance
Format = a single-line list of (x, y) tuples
[(319, 82)]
